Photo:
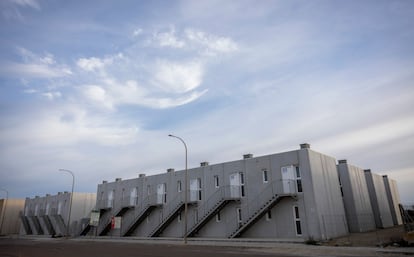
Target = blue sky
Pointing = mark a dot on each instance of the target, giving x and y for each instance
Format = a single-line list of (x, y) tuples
[(96, 86)]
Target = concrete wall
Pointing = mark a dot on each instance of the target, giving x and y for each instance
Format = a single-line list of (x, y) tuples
[(393, 197), (379, 200), (360, 217), (10, 211)]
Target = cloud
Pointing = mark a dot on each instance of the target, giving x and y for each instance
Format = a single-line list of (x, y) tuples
[(168, 39), (178, 77), (194, 40), (34, 66), (26, 3), (52, 95), (211, 44), (11, 9), (95, 63)]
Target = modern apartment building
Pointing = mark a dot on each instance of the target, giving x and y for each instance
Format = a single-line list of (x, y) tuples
[(49, 215), (293, 194)]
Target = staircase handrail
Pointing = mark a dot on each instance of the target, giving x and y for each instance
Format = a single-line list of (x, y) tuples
[(276, 187)]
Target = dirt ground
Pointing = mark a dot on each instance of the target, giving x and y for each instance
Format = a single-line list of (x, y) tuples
[(378, 238)]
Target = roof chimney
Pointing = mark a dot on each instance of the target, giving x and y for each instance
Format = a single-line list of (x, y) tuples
[(170, 170), (118, 179), (203, 164), (141, 175), (247, 156), (344, 161), (104, 181), (367, 170), (305, 146)]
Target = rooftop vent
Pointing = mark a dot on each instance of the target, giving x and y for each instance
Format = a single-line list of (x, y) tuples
[(59, 193), (66, 192), (104, 181), (305, 146), (342, 161), (385, 176), (247, 156), (203, 164), (367, 170), (47, 194), (37, 196), (141, 175), (170, 170), (118, 179)]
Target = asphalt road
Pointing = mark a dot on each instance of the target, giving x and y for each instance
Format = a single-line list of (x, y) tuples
[(48, 247), (69, 248)]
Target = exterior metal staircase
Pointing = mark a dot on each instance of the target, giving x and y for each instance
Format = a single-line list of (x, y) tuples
[(167, 219), (273, 194), (146, 206), (48, 224), (212, 206), (58, 224), (26, 224), (36, 225)]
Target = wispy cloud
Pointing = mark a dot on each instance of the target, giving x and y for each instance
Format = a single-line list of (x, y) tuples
[(34, 66), (12, 9)]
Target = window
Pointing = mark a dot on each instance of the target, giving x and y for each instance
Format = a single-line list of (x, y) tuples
[(216, 181), (269, 215), (179, 186), (265, 177), (298, 180), (179, 217), (218, 217), (242, 184), (239, 215), (134, 197), (297, 220), (199, 188)]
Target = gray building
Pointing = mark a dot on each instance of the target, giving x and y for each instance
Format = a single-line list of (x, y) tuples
[(356, 198), (10, 209), (49, 215), (293, 194), (379, 200), (393, 198)]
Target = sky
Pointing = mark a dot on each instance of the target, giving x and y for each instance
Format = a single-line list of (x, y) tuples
[(95, 87)]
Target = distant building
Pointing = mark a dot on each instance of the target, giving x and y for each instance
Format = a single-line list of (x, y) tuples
[(10, 209), (293, 194), (379, 200), (49, 215), (393, 197), (359, 213)]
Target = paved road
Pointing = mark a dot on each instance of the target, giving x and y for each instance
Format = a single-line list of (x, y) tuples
[(70, 248), (47, 247)]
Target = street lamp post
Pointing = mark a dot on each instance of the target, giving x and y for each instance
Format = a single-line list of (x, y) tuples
[(185, 188), (4, 209), (71, 197)]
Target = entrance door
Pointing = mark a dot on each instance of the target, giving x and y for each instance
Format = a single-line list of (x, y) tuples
[(195, 187), (288, 179), (235, 184), (161, 194)]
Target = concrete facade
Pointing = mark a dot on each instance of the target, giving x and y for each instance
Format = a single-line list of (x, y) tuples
[(360, 216), (293, 194), (49, 215), (393, 198), (379, 200), (10, 211)]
